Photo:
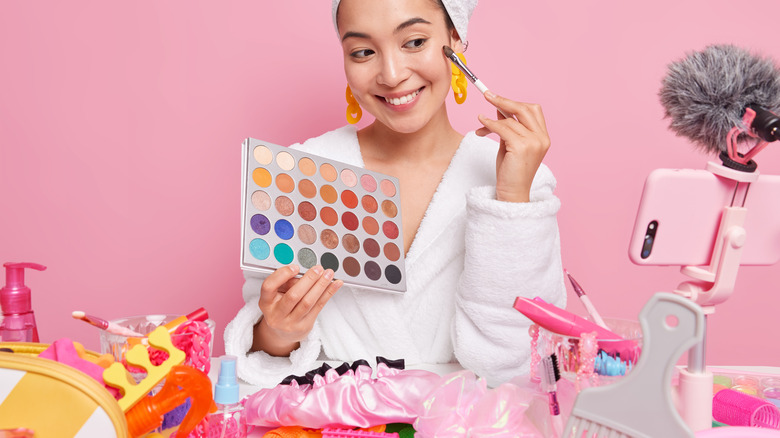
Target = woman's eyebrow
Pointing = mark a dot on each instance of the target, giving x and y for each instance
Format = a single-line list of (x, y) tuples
[(410, 22), (355, 35), (400, 27)]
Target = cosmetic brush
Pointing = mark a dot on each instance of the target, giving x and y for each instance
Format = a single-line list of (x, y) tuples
[(105, 325), (471, 76), (586, 301), (550, 375)]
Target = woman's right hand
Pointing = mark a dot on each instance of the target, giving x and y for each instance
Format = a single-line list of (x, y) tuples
[(290, 306)]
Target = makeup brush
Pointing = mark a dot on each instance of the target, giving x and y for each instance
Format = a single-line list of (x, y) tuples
[(471, 76), (105, 325), (586, 301)]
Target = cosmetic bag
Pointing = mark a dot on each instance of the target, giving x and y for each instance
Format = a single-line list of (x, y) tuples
[(52, 399)]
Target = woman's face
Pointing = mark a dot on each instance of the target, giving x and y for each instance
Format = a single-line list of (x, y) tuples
[(393, 59)]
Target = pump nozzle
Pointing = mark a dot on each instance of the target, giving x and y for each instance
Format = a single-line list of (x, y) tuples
[(14, 273)]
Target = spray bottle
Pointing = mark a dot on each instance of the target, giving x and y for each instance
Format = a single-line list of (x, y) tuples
[(18, 324), (228, 421)]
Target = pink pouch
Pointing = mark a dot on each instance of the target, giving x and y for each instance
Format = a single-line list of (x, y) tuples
[(63, 351)]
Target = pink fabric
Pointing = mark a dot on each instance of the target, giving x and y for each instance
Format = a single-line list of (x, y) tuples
[(63, 351), (354, 399), (462, 405)]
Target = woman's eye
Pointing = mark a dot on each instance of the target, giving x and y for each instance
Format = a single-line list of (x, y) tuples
[(415, 44), (361, 53)]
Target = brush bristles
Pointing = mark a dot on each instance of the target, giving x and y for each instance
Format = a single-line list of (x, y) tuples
[(556, 369), (548, 373)]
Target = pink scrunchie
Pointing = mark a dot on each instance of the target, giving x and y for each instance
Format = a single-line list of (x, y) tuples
[(354, 399)]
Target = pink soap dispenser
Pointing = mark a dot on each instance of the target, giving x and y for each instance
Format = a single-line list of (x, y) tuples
[(18, 324)]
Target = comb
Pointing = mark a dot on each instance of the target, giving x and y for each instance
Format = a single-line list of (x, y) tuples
[(116, 375), (350, 433), (640, 405)]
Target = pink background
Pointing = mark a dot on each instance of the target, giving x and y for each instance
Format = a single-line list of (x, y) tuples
[(121, 125)]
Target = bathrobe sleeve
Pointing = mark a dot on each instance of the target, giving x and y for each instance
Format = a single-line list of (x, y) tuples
[(490, 337), (258, 367)]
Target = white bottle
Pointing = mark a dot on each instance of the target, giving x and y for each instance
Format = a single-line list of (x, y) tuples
[(228, 421)]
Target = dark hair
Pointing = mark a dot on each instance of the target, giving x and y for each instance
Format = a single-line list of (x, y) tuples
[(447, 18)]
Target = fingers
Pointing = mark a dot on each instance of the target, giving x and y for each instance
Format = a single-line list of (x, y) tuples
[(314, 301), (314, 276), (275, 281), (290, 306), (500, 127), (528, 114), (301, 297)]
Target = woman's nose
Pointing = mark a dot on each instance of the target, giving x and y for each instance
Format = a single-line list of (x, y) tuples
[(394, 70)]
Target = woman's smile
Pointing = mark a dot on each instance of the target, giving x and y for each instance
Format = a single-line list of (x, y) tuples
[(401, 101)]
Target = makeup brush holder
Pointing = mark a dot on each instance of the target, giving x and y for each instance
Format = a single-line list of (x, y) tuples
[(588, 361), (193, 340)]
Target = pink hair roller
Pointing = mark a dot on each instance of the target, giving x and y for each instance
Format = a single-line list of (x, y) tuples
[(739, 409)]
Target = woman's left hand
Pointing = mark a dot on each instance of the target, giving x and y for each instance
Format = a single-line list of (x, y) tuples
[(524, 143)]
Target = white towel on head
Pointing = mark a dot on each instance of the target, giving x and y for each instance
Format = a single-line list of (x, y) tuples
[(459, 10), (460, 13)]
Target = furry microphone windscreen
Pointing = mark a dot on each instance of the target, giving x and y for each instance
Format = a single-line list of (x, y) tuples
[(705, 94)]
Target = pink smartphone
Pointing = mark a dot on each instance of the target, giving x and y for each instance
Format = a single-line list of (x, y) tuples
[(679, 214)]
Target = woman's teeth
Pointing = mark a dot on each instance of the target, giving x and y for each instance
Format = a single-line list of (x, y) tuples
[(403, 99)]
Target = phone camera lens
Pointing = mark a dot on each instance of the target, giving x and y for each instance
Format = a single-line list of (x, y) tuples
[(647, 246)]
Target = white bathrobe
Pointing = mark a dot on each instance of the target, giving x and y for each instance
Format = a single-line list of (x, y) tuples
[(471, 256)]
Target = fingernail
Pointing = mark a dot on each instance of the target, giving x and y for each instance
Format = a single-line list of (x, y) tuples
[(490, 94), (317, 269), (328, 274), (295, 268)]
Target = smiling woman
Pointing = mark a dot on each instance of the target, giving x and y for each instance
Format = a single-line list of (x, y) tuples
[(478, 217), (396, 71)]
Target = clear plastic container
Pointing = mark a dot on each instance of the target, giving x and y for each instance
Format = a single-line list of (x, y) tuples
[(117, 345), (613, 358)]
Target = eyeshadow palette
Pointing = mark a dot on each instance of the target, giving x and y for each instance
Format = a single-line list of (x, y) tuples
[(305, 209)]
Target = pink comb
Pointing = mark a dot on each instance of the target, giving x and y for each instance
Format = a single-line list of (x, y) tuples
[(348, 433)]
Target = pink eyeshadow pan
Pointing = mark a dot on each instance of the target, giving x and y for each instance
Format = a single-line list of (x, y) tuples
[(387, 187), (368, 182)]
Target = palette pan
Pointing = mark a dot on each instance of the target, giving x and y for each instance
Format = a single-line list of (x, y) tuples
[(308, 210)]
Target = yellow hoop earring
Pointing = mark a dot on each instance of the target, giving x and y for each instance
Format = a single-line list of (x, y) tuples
[(459, 82), (354, 113)]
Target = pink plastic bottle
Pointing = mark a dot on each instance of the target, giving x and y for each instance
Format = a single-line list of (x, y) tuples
[(18, 324)]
